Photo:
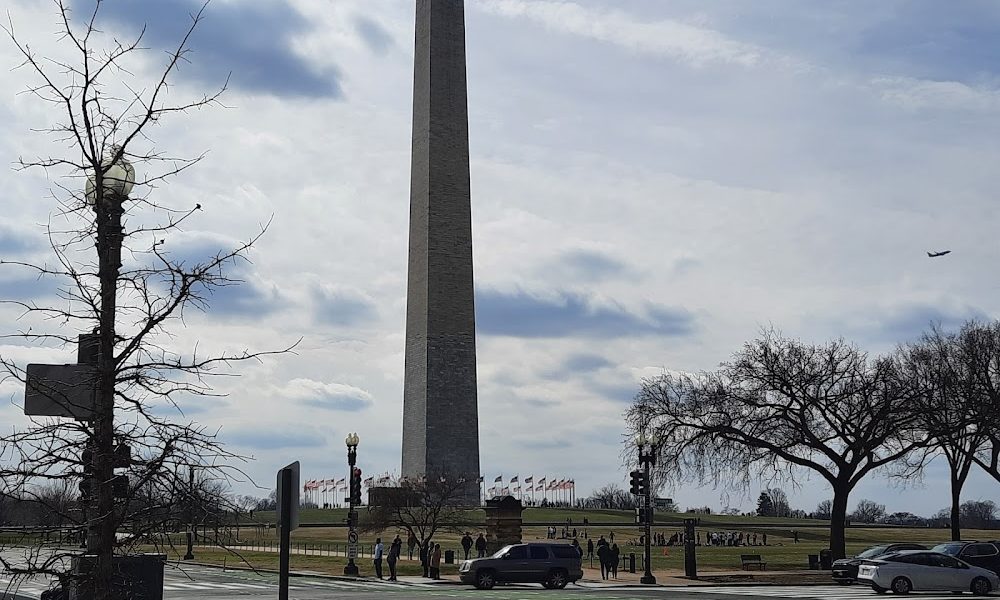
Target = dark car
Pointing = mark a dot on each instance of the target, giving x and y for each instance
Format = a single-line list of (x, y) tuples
[(980, 554), (552, 565), (845, 570)]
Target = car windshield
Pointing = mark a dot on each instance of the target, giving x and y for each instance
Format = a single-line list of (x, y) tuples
[(502, 551), (949, 549), (873, 552)]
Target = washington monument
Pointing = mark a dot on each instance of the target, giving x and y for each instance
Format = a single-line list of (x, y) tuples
[(440, 406)]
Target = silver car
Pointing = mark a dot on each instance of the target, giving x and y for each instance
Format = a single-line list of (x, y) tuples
[(920, 570)]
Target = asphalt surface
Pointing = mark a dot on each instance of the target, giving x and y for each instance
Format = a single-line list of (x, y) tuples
[(200, 583)]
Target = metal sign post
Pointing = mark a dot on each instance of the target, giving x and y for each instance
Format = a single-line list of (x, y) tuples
[(288, 520)]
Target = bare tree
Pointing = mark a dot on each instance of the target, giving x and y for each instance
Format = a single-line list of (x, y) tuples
[(610, 497), (421, 507), (868, 511), (779, 502), (949, 405), (107, 117), (979, 514), (823, 510), (780, 406)]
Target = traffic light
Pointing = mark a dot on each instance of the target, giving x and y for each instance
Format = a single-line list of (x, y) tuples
[(638, 486), (355, 485)]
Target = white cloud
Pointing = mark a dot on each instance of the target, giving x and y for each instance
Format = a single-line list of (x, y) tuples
[(684, 42), (913, 94), (745, 195)]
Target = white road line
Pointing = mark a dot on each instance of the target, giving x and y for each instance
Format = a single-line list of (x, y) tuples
[(822, 593)]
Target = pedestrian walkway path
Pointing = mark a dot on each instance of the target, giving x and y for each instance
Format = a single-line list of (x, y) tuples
[(820, 592)]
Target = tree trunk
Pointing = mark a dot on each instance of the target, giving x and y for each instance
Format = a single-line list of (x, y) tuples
[(838, 517), (956, 500)]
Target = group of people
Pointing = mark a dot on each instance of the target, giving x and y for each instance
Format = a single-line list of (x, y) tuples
[(395, 548), (428, 553), (732, 538)]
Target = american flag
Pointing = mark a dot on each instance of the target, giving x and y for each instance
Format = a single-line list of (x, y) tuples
[(513, 479), (528, 479), (498, 479)]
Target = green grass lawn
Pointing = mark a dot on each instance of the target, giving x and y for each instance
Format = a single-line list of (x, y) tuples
[(780, 553)]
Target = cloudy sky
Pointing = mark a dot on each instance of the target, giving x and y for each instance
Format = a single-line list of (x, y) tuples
[(653, 182)]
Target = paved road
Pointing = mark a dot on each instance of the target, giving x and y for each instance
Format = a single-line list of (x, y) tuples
[(200, 583)]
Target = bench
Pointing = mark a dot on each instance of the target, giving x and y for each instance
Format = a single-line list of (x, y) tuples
[(752, 560)]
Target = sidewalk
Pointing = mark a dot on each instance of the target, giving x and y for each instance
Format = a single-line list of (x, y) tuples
[(592, 578)]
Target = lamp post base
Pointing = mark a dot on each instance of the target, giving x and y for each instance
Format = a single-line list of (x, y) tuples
[(351, 569), (647, 579)]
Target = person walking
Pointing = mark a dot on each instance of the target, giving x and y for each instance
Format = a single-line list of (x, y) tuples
[(795, 535), (603, 555), (481, 545), (394, 549), (763, 541), (466, 544), (615, 554), (425, 559), (411, 543), (576, 546), (378, 557), (590, 548), (436, 562)]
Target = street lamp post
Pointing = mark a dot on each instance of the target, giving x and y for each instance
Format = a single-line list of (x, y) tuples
[(352, 440), (190, 515), (647, 458), (106, 192)]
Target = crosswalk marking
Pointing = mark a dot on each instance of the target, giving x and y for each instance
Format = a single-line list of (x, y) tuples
[(836, 592)]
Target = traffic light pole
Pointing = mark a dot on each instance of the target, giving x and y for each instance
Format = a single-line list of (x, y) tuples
[(648, 517)]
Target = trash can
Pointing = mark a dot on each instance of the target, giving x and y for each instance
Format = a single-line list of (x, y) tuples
[(825, 559), (631, 562), (449, 557), (814, 562)]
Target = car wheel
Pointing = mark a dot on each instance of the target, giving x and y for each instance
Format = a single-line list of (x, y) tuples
[(486, 579), (879, 589), (901, 585), (980, 586), (556, 579)]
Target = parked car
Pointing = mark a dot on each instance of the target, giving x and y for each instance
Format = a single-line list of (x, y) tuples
[(551, 564), (921, 570), (845, 570), (979, 554)]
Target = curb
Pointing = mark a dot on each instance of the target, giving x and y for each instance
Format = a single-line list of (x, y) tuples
[(447, 582)]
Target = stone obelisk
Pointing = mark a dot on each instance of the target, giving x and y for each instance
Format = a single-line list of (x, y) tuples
[(440, 406)]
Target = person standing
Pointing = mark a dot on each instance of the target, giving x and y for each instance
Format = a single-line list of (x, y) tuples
[(795, 535), (590, 548), (378, 557), (425, 558), (466, 544), (394, 550), (411, 543), (481, 545), (615, 554), (436, 562)]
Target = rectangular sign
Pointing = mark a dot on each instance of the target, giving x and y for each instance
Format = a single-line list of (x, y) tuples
[(352, 551), (60, 391)]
